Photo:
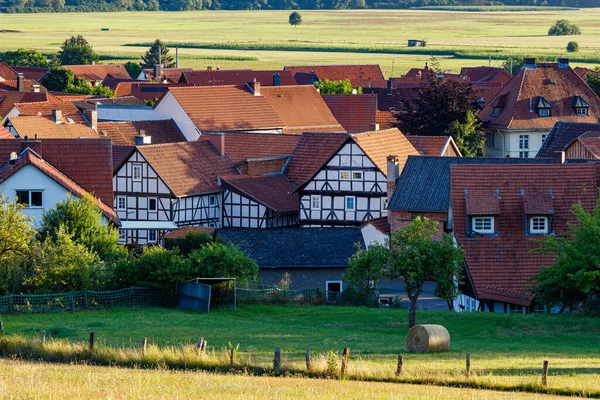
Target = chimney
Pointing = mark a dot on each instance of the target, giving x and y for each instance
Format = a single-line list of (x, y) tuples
[(217, 139), (393, 171), (93, 62), (20, 82), (57, 116), (388, 91), (255, 87), (35, 88), (142, 139), (35, 145), (559, 157), (529, 63), (209, 68), (92, 118), (158, 68), (218, 67), (12, 159), (563, 63), (276, 79)]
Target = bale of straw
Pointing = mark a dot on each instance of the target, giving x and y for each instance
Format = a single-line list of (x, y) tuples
[(428, 339)]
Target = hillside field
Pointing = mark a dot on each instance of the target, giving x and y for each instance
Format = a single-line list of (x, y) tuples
[(376, 36), (507, 351)]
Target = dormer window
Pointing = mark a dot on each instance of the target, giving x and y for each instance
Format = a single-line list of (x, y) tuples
[(483, 225), (496, 111), (539, 210), (543, 107), (581, 106), (483, 207), (538, 225)]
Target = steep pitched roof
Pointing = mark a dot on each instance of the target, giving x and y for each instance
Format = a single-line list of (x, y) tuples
[(275, 192), (88, 162), (378, 145), (119, 154), (45, 108), (243, 146), (485, 74), (424, 183), (32, 73), (557, 85), (28, 86), (237, 77), (9, 99), (124, 133), (296, 247), (432, 145), (356, 113), (98, 72), (563, 133), (5, 134), (359, 75), (6, 72), (29, 157), (187, 168), (301, 108), (44, 128), (501, 265), (381, 224), (226, 108), (591, 141)]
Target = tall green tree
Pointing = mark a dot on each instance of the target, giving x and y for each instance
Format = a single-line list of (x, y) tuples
[(133, 69), (593, 80), (295, 19), (57, 79), (25, 58), (574, 279), (77, 51), (416, 257), (468, 135), (367, 267), (563, 27), (150, 59)]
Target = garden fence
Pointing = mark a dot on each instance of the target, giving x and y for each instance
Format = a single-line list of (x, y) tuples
[(277, 296)]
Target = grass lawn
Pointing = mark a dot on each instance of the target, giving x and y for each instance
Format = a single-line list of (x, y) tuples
[(506, 350), (522, 33)]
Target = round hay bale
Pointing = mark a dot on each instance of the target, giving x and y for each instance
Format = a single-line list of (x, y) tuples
[(428, 339)]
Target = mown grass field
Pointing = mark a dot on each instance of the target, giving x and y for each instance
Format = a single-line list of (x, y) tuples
[(506, 350), (479, 33)]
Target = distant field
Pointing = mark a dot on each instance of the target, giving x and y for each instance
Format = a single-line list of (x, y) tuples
[(472, 36)]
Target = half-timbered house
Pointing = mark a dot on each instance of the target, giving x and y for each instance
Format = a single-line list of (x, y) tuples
[(341, 178), (161, 187)]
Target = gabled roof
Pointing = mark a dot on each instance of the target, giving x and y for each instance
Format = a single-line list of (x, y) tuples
[(88, 162), (119, 154), (562, 134), (355, 112), (424, 183), (44, 128), (6, 72), (500, 266), (485, 74), (236, 77), (432, 145), (92, 104), (28, 86), (556, 86), (29, 157), (226, 108), (359, 75), (244, 146), (124, 133), (5, 134), (381, 224), (378, 145), (45, 108), (296, 247), (8, 100), (187, 168), (301, 108), (172, 75), (98, 72), (275, 192), (32, 73), (591, 141)]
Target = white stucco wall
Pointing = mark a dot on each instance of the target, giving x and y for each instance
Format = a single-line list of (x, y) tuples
[(168, 105), (372, 235), (507, 144), (132, 113)]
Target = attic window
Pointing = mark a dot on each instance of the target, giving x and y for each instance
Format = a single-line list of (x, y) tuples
[(496, 111), (483, 225), (581, 106), (543, 107), (538, 225), (582, 111)]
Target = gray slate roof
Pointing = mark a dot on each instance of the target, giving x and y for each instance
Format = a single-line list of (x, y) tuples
[(425, 181), (296, 247), (563, 133)]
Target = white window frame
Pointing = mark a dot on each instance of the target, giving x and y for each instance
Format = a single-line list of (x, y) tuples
[(355, 178), (119, 198), (517, 309), (483, 231), (491, 141), (327, 287), (582, 111), (544, 112), (122, 235), (345, 172), (353, 203), (312, 202), (523, 142), (212, 200), (538, 231), (150, 240), (524, 154), (28, 202), (134, 168), (155, 203)]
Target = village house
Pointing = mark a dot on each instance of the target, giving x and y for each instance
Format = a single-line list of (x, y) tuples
[(355, 112), (435, 145), (359, 75), (94, 74), (519, 118), (564, 134), (237, 77)]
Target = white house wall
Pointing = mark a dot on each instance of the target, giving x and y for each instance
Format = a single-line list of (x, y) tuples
[(372, 235), (198, 211), (129, 113), (507, 143), (242, 212), (168, 105)]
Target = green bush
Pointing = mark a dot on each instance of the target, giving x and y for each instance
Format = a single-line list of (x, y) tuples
[(353, 297), (193, 240), (563, 28), (223, 260), (573, 47)]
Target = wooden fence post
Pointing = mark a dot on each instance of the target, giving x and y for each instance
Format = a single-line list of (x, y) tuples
[(468, 365), (399, 367), (91, 341), (43, 337), (144, 345), (308, 358), (232, 356), (277, 358), (199, 345), (545, 373), (345, 356), (204, 346)]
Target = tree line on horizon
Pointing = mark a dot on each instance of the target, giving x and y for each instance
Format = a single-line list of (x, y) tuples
[(34, 6)]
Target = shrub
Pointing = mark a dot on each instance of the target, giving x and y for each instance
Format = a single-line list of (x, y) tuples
[(295, 18), (223, 260), (193, 240), (563, 28), (573, 47), (360, 297)]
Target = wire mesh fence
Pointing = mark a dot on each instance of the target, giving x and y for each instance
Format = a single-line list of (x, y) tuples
[(277, 296), (80, 300)]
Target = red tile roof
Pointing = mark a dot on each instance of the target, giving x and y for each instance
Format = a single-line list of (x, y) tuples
[(359, 75), (275, 192), (501, 265), (29, 157), (8, 100), (381, 224), (28, 86), (378, 145), (120, 153), (356, 113), (482, 202), (386, 119), (433, 145), (124, 133), (5, 134), (591, 141), (45, 108), (183, 231), (301, 108), (237, 78), (226, 108), (98, 72), (243, 146), (6, 72), (33, 73), (485, 74), (173, 75), (44, 128), (187, 168), (558, 86)]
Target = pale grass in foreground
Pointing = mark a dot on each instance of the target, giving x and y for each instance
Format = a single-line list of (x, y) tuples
[(28, 380)]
